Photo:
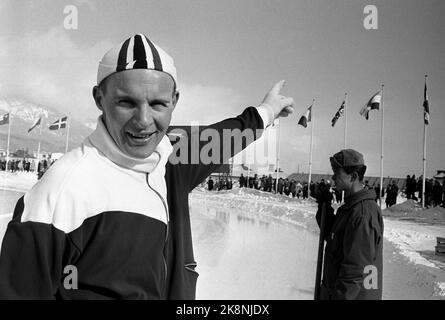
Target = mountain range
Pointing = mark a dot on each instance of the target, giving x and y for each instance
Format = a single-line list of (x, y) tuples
[(23, 114)]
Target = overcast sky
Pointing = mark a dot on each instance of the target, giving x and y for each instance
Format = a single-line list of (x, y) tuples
[(229, 53)]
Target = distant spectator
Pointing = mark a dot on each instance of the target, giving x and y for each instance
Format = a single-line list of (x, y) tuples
[(241, 181), (293, 188), (419, 188), (377, 193), (391, 194), (410, 187), (263, 183), (428, 192), (251, 179), (437, 194), (256, 182), (312, 189), (286, 187), (305, 191), (210, 184), (280, 185), (269, 183), (443, 193)]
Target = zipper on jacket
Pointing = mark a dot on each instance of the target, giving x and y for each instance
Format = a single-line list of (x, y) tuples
[(166, 233)]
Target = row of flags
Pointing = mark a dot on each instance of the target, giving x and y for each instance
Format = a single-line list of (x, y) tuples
[(372, 104), (56, 125)]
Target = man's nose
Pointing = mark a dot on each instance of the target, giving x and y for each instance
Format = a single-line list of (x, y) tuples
[(143, 116)]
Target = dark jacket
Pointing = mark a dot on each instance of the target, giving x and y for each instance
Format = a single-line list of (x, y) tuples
[(354, 246), (127, 232)]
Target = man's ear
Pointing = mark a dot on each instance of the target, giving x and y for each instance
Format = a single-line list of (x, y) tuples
[(175, 98), (98, 96)]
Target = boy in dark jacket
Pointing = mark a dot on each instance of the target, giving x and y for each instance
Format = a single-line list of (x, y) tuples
[(353, 254)]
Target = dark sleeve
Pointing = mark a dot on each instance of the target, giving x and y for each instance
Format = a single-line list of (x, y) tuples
[(233, 135), (30, 259), (329, 219), (359, 250)]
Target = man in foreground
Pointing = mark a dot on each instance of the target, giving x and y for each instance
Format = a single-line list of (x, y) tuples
[(110, 219), (354, 236)]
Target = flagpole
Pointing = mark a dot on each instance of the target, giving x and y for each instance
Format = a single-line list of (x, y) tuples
[(254, 159), (278, 155), (424, 164), (9, 138), (248, 165), (67, 134), (346, 118), (345, 144), (40, 138), (310, 149), (381, 150), (424, 152)]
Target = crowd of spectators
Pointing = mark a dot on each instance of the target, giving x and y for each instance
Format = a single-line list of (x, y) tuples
[(412, 189), (25, 165)]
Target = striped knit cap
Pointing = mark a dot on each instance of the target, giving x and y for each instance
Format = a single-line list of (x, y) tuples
[(137, 52)]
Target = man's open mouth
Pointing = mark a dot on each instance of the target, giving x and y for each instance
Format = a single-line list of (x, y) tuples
[(140, 137)]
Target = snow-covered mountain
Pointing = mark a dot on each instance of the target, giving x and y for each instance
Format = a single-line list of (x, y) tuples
[(23, 115)]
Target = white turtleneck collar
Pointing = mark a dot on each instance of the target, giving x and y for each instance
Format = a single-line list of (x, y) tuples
[(102, 140)]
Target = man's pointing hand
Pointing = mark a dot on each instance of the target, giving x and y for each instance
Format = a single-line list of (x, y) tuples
[(277, 104)]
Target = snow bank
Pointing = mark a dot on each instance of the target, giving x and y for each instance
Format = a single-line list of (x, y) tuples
[(410, 242), (17, 181), (411, 210), (414, 230), (292, 210)]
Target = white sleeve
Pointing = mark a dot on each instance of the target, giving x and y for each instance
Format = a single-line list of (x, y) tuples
[(266, 115)]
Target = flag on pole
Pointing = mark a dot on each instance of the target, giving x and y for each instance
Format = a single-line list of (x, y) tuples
[(339, 113), (426, 106), (37, 123), (306, 117), (4, 119), (244, 166), (373, 104), (59, 124)]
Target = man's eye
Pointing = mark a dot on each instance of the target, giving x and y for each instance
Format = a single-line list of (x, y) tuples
[(126, 103), (159, 105)]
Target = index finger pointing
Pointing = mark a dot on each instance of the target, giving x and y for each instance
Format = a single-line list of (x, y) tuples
[(277, 87)]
